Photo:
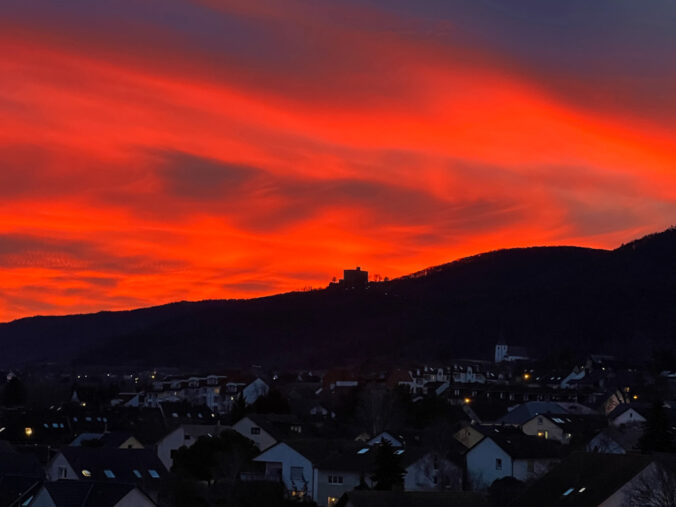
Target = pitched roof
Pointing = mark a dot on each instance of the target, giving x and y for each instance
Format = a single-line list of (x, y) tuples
[(526, 411), (627, 437), (414, 499), (115, 438), (519, 445), (621, 409), (125, 464), (583, 479), (347, 455), (20, 464), (277, 425), (15, 488), (87, 493), (106, 439)]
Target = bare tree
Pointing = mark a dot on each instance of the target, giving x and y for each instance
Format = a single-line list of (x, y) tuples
[(377, 409), (654, 487)]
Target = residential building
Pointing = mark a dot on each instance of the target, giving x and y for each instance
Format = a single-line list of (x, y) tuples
[(507, 452), (591, 480), (265, 430), (73, 493), (183, 436)]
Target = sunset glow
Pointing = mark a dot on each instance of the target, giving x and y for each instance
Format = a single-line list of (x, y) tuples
[(184, 150)]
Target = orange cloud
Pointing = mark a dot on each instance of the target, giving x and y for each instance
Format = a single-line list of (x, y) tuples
[(148, 161)]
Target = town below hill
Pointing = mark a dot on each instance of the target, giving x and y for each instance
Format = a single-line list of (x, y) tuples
[(509, 431)]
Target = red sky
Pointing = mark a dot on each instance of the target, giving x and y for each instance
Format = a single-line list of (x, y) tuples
[(184, 150)]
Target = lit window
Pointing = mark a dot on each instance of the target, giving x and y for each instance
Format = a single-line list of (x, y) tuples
[(582, 490), (153, 473), (109, 474), (86, 473), (137, 473)]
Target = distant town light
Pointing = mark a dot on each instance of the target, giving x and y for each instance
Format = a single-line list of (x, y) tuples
[(526, 376), (635, 396), (468, 400), (28, 431), (86, 473)]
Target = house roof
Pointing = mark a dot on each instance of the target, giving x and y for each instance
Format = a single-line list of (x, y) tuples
[(115, 438), (619, 410), (277, 425), (19, 464), (87, 493), (627, 437), (125, 464), (519, 445), (486, 411), (577, 425), (15, 488), (414, 499), (347, 455), (526, 411), (109, 439), (583, 480)]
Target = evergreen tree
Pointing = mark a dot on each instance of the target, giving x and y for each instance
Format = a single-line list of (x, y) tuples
[(388, 474), (272, 403), (14, 393)]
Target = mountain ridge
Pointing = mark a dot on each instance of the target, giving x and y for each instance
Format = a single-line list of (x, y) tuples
[(543, 297)]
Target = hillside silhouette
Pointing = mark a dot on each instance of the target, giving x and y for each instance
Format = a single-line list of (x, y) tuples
[(551, 299)]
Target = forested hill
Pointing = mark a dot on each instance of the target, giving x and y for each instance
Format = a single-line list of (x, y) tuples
[(548, 298)]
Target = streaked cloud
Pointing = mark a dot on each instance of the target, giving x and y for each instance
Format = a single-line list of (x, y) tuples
[(176, 149)]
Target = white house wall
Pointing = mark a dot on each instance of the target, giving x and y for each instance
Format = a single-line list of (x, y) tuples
[(263, 440), (323, 489), (53, 469), (481, 468), (288, 457)]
